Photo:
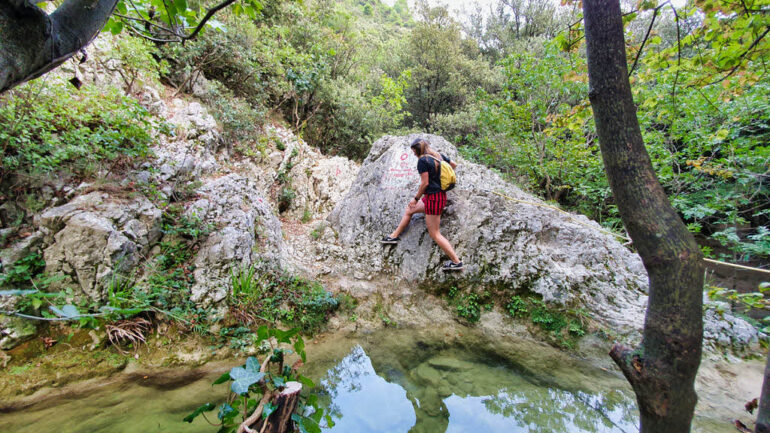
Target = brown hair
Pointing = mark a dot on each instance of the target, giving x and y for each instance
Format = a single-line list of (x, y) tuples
[(423, 148)]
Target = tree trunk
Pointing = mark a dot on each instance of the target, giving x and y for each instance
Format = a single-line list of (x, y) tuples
[(763, 415), (34, 42), (280, 420), (662, 369)]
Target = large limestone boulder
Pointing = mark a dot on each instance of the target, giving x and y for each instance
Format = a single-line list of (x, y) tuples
[(508, 240), (246, 232), (518, 243), (96, 237)]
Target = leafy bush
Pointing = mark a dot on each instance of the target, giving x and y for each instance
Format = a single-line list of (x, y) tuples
[(318, 231), (707, 144), (241, 122), (138, 66), (517, 306), (468, 307), (23, 271), (50, 127), (563, 327), (280, 297)]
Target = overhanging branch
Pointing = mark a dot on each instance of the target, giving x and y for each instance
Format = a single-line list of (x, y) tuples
[(35, 42)]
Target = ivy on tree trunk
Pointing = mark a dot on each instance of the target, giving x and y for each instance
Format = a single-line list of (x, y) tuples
[(662, 369)]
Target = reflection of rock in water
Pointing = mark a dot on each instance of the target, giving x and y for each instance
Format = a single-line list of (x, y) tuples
[(450, 391)]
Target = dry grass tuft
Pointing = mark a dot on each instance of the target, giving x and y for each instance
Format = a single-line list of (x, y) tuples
[(128, 331)]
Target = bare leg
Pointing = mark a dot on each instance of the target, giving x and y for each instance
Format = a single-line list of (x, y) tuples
[(433, 221), (408, 212)]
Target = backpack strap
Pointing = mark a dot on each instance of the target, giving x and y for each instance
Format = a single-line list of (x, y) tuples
[(437, 160)]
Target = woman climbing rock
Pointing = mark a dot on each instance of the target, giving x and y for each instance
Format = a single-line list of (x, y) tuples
[(432, 203)]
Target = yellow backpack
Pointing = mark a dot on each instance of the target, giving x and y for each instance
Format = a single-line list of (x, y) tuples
[(446, 174)]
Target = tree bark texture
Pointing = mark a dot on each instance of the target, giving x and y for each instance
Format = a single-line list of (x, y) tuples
[(280, 420), (33, 42), (662, 369), (763, 415)]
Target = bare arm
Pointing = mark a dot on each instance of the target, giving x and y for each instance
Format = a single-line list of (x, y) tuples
[(453, 164), (423, 186)]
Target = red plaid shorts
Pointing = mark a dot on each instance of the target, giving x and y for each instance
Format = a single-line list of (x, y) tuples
[(434, 203)]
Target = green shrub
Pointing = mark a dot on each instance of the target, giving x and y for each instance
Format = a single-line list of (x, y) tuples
[(50, 127), (138, 65), (517, 306), (306, 216), (468, 307), (276, 296), (23, 271), (285, 198), (241, 122)]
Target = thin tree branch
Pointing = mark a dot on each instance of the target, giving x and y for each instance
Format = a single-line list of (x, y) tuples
[(644, 41), (139, 33), (678, 53), (740, 58), (140, 20), (210, 13)]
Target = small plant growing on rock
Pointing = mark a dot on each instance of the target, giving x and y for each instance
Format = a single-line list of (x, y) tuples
[(23, 271), (243, 282), (279, 144), (306, 216), (517, 306), (318, 231), (285, 198), (275, 296), (468, 307)]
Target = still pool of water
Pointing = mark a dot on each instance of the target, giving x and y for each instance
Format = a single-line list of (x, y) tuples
[(455, 391), (373, 384)]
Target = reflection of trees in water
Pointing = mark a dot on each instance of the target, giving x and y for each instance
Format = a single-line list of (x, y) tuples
[(346, 375), (439, 375), (348, 372), (549, 410)]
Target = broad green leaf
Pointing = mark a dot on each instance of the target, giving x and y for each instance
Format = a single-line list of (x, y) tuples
[(205, 408), (268, 409), (68, 311), (243, 379), (222, 379), (306, 381), (262, 334), (308, 425), (278, 382), (227, 412), (299, 347), (180, 5), (252, 364)]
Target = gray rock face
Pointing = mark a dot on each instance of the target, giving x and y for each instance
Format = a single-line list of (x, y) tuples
[(246, 232), (95, 236), (14, 331), (19, 250), (518, 243), (722, 329), (319, 182), (507, 239)]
